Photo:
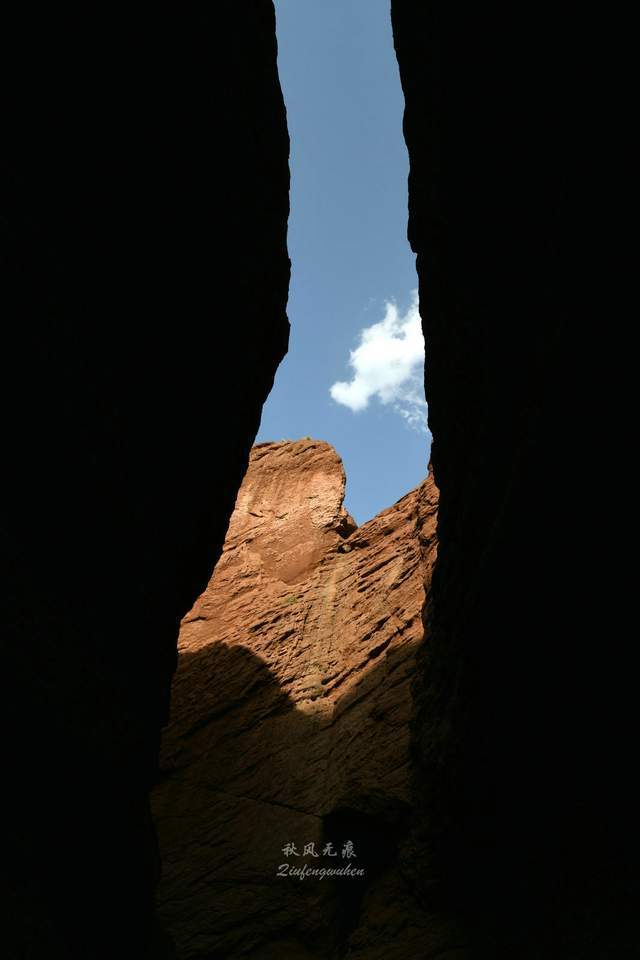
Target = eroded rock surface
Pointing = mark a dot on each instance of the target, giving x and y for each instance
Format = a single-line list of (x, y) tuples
[(289, 720)]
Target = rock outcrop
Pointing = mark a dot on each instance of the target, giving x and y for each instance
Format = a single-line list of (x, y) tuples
[(524, 720), (289, 721), (144, 209)]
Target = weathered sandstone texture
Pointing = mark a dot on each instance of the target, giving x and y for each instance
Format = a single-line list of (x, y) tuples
[(526, 716), (289, 721), (144, 202)]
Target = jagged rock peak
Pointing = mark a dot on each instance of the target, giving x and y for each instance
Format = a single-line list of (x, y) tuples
[(290, 506)]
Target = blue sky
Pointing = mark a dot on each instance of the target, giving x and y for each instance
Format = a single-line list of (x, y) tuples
[(353, 374)]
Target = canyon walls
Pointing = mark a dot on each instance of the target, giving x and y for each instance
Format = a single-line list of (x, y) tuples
[(289, 724), (144, 282), (524, 719)]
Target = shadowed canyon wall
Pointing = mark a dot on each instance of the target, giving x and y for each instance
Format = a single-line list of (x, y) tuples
[(524, 697), (144, 282), (289, 723)]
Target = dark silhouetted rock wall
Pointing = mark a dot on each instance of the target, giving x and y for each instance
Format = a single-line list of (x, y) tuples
[(144, 282), (524, 721)]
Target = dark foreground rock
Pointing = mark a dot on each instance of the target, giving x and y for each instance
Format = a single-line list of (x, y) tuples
[(144, 281), (525, 719)]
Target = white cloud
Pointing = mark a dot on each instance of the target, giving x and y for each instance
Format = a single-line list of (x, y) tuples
[(388, 363)]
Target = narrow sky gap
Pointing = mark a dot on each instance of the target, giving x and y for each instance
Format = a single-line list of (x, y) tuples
[(352, 298)]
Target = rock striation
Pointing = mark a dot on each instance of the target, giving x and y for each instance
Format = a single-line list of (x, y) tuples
[(289, 721)]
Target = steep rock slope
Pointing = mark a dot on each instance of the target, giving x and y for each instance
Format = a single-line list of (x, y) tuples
[(289, 720), (144, 202), (524, 709)]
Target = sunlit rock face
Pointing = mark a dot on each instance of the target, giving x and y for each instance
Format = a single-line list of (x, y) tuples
[(289, 720)]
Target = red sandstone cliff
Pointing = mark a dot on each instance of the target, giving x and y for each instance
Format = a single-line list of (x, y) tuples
[(289, 718)]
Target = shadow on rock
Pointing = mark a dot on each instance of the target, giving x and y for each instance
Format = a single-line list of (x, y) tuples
[(244, 773)]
